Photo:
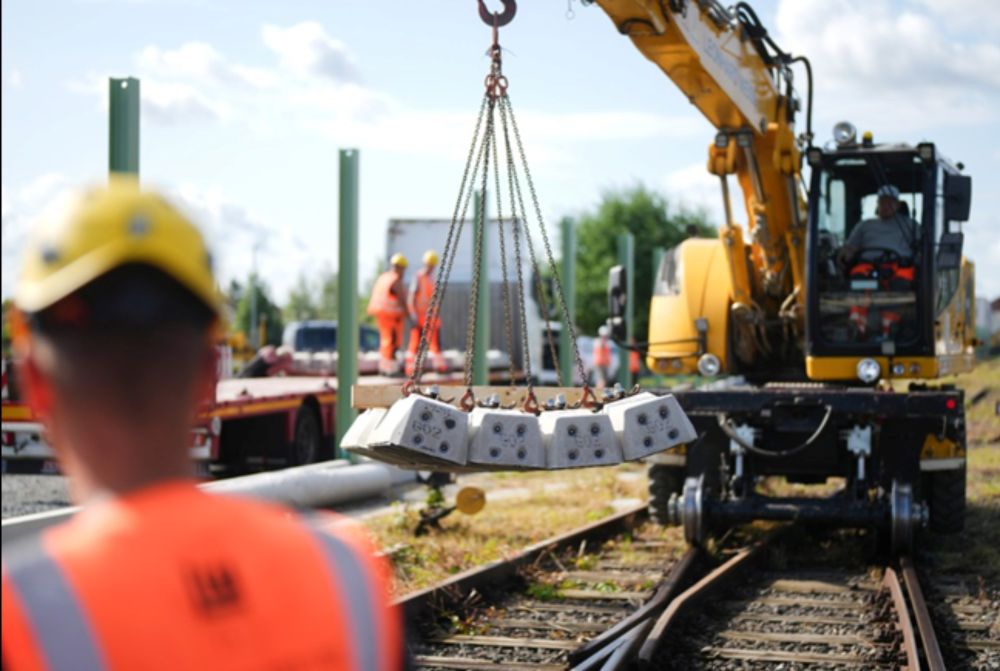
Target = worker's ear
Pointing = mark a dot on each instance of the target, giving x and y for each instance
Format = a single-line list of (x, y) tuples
[(208, 375), (35, 385)]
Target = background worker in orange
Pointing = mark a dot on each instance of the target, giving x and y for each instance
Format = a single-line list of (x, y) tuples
[(388, 305), (117, 312), (418, 303)]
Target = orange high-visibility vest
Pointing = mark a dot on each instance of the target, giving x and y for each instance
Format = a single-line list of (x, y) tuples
[(602, 353), (383, 300), (174, 578), (423, 294), (633, 361)]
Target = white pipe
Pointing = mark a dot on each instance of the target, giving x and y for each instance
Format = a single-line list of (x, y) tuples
[(317, 485)]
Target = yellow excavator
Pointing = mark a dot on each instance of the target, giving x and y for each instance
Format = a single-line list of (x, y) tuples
[(847, 275)]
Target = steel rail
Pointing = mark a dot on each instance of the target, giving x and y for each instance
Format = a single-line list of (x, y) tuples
[(928, 638), (681, 605), (891, 582)]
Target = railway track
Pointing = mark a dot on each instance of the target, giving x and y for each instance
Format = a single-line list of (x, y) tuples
[(772, 602)]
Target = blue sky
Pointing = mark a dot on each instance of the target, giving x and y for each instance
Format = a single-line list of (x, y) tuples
[(245, 105)]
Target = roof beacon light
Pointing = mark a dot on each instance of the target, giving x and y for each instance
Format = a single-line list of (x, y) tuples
[(844, 133)]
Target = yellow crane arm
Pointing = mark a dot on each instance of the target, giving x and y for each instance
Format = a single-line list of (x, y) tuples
[(713, 59)]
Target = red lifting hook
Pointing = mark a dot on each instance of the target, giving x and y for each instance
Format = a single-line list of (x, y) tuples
[(498, 19)]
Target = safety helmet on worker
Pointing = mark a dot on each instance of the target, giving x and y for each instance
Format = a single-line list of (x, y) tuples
[(104, 229), (430, 258), (398, 261)]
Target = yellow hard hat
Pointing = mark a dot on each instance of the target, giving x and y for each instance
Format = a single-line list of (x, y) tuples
[(398, 260), (104, 229), (430, 258)]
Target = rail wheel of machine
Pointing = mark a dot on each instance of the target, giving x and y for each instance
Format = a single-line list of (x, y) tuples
[(664, 482), (946, 498), (308, 441)]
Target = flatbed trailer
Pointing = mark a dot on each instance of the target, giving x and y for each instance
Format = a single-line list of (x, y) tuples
[(254, 424)]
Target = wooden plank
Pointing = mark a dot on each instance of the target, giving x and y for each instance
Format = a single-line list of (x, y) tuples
[(569, 627), (786, 656), (800, 619), (817, 587), (831, 604), (569, 608), (364, 396), (598, 595), (435, 661), (620, 577), (507, 642), (809, 639)]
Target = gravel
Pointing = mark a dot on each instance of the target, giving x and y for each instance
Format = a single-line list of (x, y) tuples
[(23, 494)]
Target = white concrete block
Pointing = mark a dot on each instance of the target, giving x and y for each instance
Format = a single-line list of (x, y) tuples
[(506, 438), (646, 424), (579, 438), (357, 436), (424, 427)]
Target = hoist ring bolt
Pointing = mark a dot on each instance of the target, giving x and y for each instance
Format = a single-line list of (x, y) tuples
[(468, 400), (587, 398), (498, 18), (531, 402), (407, 388)]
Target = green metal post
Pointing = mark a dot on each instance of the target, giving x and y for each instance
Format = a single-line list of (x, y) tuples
[(626, 257), (568, 278), (123, 126), (481, 339), (347, 292)]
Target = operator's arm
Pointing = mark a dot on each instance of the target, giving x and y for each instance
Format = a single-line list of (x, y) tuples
[(853, 245)]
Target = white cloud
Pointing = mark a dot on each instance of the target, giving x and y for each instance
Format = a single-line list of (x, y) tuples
[(308, 51), (228, 225), (693, 188), (869, 57), (23, 209), (171, 103), (201, 62)]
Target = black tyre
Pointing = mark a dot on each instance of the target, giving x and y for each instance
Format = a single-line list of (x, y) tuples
[(945, 493), (307, 446), (664, 481)]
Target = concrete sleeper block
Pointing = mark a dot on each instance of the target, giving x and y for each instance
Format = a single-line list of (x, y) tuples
[(505, 438), (356, 438), (646, 424), (578, 438), (422, 427)]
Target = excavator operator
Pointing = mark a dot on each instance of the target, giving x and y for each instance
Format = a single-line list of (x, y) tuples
[(117, 310), (881, 249)]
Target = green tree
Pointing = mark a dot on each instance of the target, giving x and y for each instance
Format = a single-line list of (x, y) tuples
[(654, 222), (301, 304), (266, 309), (326, 300)]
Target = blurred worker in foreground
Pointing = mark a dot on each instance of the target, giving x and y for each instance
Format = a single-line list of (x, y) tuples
[(388, 305), (418, 304), (117, 312), (602, 357)]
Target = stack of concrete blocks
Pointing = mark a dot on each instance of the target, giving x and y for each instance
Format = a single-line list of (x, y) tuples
[(578, 438), (505, 439), (646, 424), (358, 436), (421, 431)]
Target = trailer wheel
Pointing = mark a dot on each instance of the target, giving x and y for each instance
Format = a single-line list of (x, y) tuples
[(946, 497), (308, 437), (664, 482)]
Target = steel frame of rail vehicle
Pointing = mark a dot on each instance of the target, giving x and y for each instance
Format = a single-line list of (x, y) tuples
[(892, 449)]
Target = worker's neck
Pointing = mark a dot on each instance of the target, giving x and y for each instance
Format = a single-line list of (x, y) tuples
[(120, 467)]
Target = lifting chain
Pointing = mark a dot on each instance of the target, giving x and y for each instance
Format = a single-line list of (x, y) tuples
[(482, 151)]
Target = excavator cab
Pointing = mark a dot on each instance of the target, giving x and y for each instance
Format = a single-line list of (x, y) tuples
[(884, 250)]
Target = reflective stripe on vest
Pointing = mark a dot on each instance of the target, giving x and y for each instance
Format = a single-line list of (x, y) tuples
[(382, 299), (424, 293), (55, 615), (356, 589)]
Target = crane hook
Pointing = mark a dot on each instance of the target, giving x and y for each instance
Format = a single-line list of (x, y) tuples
[(498, 19)]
